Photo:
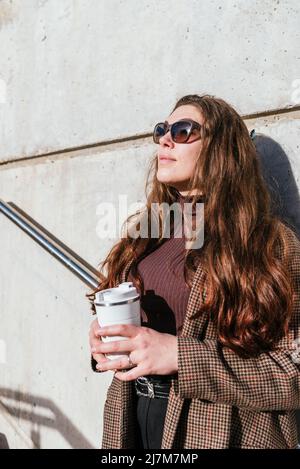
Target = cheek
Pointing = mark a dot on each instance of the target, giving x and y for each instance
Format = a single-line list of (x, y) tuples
[(184, 170), (187, 164)]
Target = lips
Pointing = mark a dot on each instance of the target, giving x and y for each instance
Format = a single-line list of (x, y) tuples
[(166, 158)]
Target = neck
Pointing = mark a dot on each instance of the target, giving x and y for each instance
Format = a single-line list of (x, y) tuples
[(184, 193), (193, 192)]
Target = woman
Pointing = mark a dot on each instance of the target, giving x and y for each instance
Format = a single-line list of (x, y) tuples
[(217, 343)]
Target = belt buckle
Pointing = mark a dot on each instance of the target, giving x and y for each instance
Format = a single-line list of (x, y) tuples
[(150, 389)]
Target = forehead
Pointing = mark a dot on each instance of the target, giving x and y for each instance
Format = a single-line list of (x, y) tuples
[(188, 112)]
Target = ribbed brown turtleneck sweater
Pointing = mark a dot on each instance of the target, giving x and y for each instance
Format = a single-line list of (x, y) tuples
[(163, 306)]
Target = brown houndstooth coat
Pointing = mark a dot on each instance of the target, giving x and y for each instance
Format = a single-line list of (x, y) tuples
[(219, 400)]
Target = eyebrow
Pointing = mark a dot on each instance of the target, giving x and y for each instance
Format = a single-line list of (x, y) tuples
[(183, 119)]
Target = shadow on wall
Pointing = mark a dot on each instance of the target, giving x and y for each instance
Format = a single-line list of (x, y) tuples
[(41, 412), (278, 174)]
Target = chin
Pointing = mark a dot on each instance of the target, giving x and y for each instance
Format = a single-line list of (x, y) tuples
[(164, 178)]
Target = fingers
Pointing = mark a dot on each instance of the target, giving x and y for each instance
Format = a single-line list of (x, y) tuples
[(118, 364), (95, 325), (94, 328), (99, 348), (94, 338), (132, 374), (94, 341), (127, 330), (112, 346), (99, 357)]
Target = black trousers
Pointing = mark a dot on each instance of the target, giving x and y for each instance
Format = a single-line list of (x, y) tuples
[(151, 417)]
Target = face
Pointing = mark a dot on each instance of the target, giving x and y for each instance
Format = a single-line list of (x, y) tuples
[(177, 171)]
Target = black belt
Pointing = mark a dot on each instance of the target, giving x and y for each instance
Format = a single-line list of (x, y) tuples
[(151, 387)]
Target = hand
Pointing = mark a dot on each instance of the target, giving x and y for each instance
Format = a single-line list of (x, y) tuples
[(153, 353), (94, 340)]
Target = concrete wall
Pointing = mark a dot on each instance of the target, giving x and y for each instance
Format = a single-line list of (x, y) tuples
[(86, 81), (80, 72)]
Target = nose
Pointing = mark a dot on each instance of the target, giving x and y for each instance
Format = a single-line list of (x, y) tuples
[(166, 140)]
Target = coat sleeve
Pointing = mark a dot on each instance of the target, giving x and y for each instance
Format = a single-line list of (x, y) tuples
[(271, 381)]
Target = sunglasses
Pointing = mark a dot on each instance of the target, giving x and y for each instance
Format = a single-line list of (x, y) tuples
[(180, 130)]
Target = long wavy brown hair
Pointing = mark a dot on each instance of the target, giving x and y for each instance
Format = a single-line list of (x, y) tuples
[(249, 292)]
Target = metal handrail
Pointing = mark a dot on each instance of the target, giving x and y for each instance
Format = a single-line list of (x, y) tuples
[(78, 266)]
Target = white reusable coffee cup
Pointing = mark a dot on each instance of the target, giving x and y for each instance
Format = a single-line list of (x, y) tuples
[(119, 305)]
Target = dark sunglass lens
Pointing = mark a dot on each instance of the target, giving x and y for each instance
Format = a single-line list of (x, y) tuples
[(180, 131), (196, 133), (159, 131)]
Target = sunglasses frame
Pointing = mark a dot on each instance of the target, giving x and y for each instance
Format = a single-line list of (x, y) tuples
[(168, 127)]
